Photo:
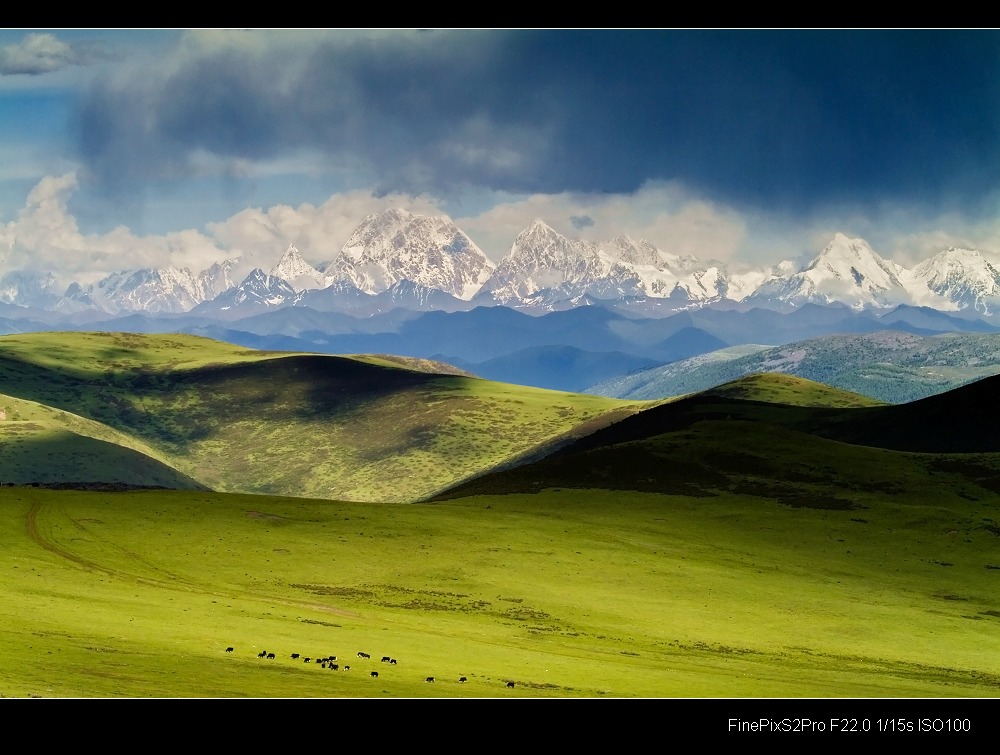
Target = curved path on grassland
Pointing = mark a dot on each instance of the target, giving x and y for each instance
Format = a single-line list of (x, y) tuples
[(174, 582), (169, 581)]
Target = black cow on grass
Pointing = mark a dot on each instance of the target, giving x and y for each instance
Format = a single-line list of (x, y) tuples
[(430, 679), (374, 673), (510, 685), (363, 655), (386, 659), (270, 656), (262, 654), (294, 656), (229, 650), (462, 679)]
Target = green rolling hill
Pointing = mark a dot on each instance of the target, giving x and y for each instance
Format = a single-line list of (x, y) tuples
[(768, 537), (781, 437), (357, 428)]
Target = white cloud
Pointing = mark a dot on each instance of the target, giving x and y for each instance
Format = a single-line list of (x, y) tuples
[(46, 237), (319, 233), (680, 222), (663, 214), (37, 54), (909, 235)]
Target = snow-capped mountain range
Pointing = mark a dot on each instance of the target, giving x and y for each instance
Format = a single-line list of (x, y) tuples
[(396, 245), (544, 267), (399, 259), (159, 290)]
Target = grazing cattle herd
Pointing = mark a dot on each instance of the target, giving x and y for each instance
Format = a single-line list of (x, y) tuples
[(328, 662)]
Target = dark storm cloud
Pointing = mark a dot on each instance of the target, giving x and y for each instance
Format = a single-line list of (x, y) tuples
[(793, 119)]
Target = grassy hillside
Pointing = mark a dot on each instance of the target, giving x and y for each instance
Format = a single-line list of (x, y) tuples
[(39, 444), (786, 438), (728, 544), (571, 593), (366, 428), (789, 390), (962, 420)]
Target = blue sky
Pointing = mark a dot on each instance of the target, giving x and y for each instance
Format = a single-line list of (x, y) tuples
[(126, 148)]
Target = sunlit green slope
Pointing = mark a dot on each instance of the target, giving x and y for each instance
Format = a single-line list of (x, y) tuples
[(356, 428), (785, 438)]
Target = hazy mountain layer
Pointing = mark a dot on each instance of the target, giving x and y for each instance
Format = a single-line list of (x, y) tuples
[(890, 366)]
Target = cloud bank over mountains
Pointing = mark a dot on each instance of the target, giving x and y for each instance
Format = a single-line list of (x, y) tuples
[(46, 236), (138, 148), (395, 257)]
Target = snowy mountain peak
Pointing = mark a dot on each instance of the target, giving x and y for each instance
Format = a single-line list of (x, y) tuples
[(396, 245), (28, 288), (844, 257), (545, 245), (258, 291), (955, 257), (426, 262), (848, 271), (545, 268), (625, 249), (962, 276), (217, 278), (298, 273)]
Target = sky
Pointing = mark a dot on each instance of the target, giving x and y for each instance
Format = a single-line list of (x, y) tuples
[(123, 149)]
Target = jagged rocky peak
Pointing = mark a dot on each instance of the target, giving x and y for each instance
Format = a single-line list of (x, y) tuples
[(847, 271), (962, 276), (632, 252), (395, 245), (161, 289), (851, 258), (543, 247), (299, 274), (217, 278), (156, 290), (543, 260), (257, 278), (954, 261), (257, 290), (852, 262), (28, 288)]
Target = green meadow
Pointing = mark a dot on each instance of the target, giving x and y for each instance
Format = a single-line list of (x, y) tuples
[(569, 593), (728, 544)]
